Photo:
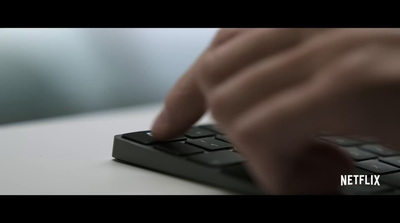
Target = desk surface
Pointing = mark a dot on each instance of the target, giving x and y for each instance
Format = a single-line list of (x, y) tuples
[(72, 155)]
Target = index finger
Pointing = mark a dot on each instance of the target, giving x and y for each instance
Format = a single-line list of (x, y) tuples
[(185, 104)]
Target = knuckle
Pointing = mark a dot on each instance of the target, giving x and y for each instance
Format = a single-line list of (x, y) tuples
[(266, 31), (364, 37), (346, 35), (222, 35), (278, 31), (355, 64), (298, 33)]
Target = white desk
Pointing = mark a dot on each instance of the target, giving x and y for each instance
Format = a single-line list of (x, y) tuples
[(72, 155)]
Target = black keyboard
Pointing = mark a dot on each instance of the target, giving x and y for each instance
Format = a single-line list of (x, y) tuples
[(204, 154)]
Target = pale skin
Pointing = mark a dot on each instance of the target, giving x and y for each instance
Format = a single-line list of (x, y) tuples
[(272, 90)]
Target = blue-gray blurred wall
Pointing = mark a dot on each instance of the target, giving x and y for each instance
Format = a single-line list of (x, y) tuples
[(54, 72)]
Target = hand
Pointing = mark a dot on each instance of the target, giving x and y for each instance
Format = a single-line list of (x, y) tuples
[(272, 90)]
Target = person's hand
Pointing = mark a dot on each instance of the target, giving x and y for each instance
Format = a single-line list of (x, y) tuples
[(272, 90)]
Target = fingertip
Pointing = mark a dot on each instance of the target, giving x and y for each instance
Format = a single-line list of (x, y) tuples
[(160, 126)]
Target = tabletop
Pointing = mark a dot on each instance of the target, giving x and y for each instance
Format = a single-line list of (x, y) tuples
[(71, 155)]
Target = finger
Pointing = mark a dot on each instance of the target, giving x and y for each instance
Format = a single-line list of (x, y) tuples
[(185, 104), (276, 138), (224, 35), (221, 62), (275, 74)]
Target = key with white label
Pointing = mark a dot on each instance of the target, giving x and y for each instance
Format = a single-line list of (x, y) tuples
[(145, 137), (376, 167), (379, 149), (358, 154), (196, 132), (210, 144)]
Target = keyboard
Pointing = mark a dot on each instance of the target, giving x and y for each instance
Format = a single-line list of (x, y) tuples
[(205, 155)]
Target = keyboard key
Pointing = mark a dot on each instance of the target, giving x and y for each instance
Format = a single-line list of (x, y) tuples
[(178, 148), (358, 154), (210, 144), (145, 137), (195, 132), (341, 141), (238, 171), (391, 179), (212, 127), (376, 167), (365, 139), (365, 189), (223, 138), (217, 159), (359, 171), (379, 149), (394, 160)]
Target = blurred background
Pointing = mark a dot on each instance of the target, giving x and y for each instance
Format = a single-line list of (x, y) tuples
[(54, 72)]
